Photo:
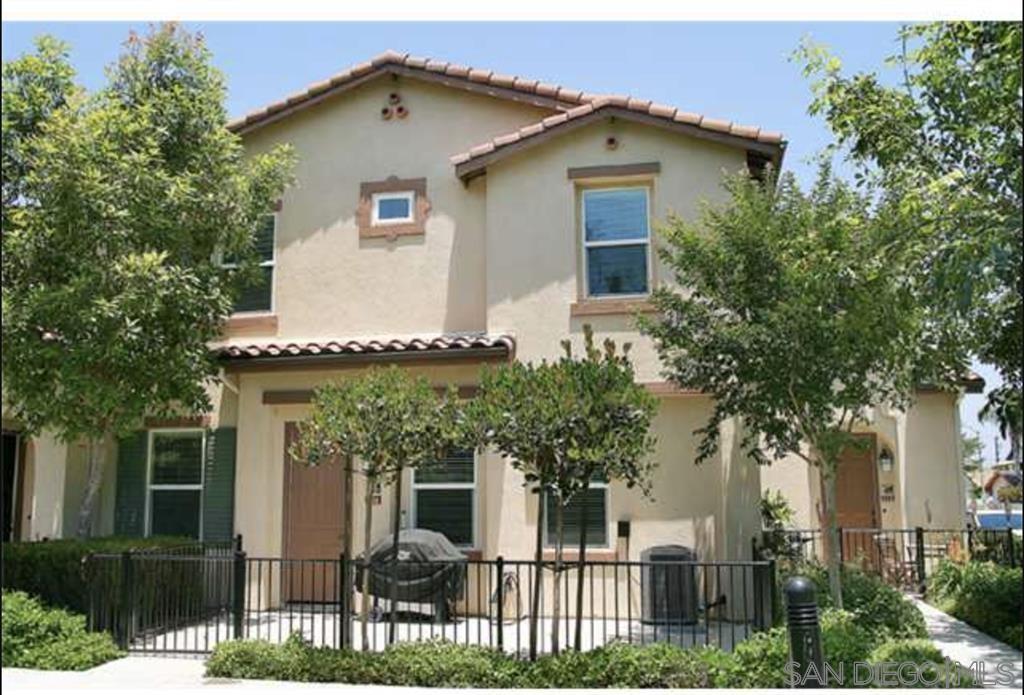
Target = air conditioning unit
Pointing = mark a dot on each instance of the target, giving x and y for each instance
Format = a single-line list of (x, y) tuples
[(669, 590)]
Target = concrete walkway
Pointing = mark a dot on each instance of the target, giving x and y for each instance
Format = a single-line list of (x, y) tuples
[(965, 645)]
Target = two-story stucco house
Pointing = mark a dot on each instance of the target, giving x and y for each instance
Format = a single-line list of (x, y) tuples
[(446, 218)]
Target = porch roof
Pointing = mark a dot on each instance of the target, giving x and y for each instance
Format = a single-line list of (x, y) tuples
[(444, 347)]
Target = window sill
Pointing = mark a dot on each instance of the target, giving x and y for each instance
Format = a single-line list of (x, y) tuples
[(264, 323), (595, 554), (609, 307)]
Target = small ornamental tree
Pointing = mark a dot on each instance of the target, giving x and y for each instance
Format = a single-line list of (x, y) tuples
[(521, 411), (563, 424), (798, 316), (608, 436), (380, 424), (116, 206)]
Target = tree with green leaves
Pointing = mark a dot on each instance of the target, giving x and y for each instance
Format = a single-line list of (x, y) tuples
[(797, 317), (520, 411), (116, 206), (608, 438), (380, 424), (562, 425), (945, 140)]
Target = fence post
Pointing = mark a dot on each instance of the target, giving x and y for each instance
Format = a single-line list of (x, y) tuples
[(238, 595), (842, 546), (970, 542), (1009, 548), (238, 543), (127, 580), (919, 553), (763, 595), (499, 568), (804, 633)]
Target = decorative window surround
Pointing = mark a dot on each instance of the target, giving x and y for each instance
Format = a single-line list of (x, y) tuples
[(370, 228)]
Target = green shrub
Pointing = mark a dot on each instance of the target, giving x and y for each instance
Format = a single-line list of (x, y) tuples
[(878, 607), (49, 638), (53, 570), (983, 594), (444, 665), (760, 661), (620, 665)]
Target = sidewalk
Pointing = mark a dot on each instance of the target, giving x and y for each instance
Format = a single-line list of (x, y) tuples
[(962, 643)]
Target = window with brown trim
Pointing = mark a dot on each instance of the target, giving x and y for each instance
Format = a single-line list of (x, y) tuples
[(393, 207)]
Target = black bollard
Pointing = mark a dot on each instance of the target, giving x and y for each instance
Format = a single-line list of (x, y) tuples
[(804, 633)]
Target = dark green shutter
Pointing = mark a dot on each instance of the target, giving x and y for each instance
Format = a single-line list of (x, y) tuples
[(595, 500), (130, 501), (219, 485)]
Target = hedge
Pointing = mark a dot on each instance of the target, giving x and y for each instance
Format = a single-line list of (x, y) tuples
[(758, 662), (52, 570), (983, 594), (50, 638)]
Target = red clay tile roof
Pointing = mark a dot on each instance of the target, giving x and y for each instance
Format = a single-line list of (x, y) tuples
[(573, 103), (445, 343), (625, 106)]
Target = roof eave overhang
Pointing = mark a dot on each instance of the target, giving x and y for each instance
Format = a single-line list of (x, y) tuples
[(477, 166), (497, 353), (315, 96)]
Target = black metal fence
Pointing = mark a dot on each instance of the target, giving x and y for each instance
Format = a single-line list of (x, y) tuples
[(903, 557), (188, 603)]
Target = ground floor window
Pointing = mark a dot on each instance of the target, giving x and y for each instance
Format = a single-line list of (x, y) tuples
[(175, 482), (594, 501), (444, 497)]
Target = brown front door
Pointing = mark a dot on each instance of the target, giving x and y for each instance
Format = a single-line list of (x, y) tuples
[(313, 526), (857, 500)]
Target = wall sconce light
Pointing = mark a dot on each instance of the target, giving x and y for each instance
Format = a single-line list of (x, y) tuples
[(885, 460)]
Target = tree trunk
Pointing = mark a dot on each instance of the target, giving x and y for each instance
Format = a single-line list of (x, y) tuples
[(365, 588), (578, 637), (396, 523), (538, 567), (94, 460), (556, 599), (835, 586)]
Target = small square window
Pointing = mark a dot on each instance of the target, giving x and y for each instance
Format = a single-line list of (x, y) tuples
[(393, 208)]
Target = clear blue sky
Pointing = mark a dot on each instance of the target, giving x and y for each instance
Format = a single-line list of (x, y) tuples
[(738, 71)]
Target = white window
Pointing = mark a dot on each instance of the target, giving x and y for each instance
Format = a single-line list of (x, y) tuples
[(258, 297), (616, 241), (594, 503), (444, 497), (393, 208), (175, 494)]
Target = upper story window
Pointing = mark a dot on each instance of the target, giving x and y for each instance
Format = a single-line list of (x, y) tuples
[(259, 296), (394, 208), (616, 241), (175, 482)]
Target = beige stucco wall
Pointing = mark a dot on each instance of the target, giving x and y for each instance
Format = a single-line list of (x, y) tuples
[(43, 502), (711, 507), (329, 282), (533, 237)]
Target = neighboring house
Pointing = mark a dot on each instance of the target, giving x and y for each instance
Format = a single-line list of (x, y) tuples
[(996, 480), (446, 218)]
